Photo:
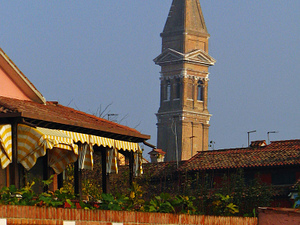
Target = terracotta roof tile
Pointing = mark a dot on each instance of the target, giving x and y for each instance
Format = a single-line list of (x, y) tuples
[(53, 112), (159, 151), (157, 169), (278, 153)]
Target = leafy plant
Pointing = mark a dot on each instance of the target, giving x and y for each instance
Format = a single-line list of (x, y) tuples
[(12, 196), (161, 203), (135, 201), (48, 199), (185, 204), (223, 205), (109, 202), (91, 190)]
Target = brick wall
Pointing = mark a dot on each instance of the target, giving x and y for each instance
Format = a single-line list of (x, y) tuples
[(15, 215)]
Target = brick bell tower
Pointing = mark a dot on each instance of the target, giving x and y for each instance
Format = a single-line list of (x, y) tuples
[(183, 117)]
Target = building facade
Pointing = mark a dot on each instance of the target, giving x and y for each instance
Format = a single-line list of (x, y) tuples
[(183, 116)]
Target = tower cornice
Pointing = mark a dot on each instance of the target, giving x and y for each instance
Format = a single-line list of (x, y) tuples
[(180, 113), (193, 77), (197, 56)]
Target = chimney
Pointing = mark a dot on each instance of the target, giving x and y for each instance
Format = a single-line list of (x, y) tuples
[(157, 155), (258, 144)]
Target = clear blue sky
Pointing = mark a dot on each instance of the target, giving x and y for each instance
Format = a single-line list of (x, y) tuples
[(88, 54)]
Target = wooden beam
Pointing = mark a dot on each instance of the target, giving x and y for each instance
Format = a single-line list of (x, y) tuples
[(7, 176), (13, 167), (131, 162), (46, 171), (60, 180), (105, 176), (77, 180)]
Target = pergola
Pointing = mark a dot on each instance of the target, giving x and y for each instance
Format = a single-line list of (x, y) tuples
[(61, 135), (33, 128)]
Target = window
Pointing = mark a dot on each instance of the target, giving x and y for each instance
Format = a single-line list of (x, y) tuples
[(168, 91), (177, 88), (283, 177), (200, 90)]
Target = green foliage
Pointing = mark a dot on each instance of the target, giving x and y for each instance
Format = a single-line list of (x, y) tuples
[(46, 183), (247, 195), (235, 197), (135, 199), (26, 196), (161, 203), (185, 204), (12, 196), (48, 199), (223, 205), (69, 179), (109, 202), (91, 190)]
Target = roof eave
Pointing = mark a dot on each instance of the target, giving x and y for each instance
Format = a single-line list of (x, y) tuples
[(22, 81)]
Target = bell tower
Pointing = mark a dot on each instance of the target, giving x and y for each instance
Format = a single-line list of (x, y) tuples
[(183, 117)]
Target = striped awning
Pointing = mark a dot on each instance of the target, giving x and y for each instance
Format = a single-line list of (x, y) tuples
[(78, 137), (127, 146), (34, 142), (5, 145), (86, 152), (102, 141)]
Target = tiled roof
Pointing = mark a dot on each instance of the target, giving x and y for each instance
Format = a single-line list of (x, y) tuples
[(54, 115), (157, 151), (160, 168), (278, 153)]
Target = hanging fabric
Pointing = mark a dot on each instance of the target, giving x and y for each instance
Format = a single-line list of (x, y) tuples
[(85, 158), (138, 161), (112, 161), (5, 145), (34, 142), (59, 159)]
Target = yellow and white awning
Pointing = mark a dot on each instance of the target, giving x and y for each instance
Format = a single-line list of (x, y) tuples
[(5, 145), (86, 150), (127, 146), (78, 137), (34, 142)]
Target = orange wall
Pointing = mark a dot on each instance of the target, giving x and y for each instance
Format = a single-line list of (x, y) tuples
[(8, 88)]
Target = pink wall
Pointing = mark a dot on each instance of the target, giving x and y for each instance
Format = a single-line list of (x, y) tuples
[(8, 88)]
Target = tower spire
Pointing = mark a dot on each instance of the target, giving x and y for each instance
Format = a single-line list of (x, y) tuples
[(183, 117), (185, 16)]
